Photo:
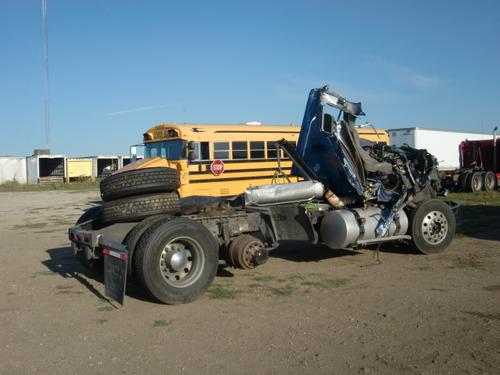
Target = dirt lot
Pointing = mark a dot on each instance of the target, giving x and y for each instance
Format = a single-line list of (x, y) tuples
[(306, 311)]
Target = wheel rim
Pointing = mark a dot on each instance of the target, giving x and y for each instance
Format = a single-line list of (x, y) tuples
[(476, 182), (181, 262), (434, 227), (489, 182)]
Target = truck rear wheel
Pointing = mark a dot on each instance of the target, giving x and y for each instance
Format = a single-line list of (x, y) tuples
[(140, 181), (432, 226), (489, 181), (133, 237), (177, 261), (474, 182), (138, 207)]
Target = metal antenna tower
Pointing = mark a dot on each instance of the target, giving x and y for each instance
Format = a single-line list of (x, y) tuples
[(46, 71)]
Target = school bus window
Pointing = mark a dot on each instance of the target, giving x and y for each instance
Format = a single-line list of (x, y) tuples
[(200, 150), (221, 150), (173, 150), (257, 150), (240, 150), (271, 150)]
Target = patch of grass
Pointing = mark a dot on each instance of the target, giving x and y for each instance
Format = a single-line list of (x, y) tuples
[(160, 323), (101, 321), (467, 263), (69, 292), (487, 316), (492, 288), (326, 284), (221, 292), (41, 273), (281, 291), (424, 268), (105, 308), (263, 278), (486, 198), (29, 225), (14, 186), (63, 287)]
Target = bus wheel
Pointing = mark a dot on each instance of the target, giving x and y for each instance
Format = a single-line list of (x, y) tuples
[(177, 261), (432, 226), (139, 181), (138, 207), (474, 182), (489, 181)]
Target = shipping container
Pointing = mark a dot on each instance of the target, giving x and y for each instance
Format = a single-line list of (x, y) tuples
[(46, 169)]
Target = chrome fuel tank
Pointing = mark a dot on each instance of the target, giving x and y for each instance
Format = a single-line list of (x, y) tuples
[(343, 228)]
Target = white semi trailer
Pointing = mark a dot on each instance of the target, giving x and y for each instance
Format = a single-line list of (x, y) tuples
[(443, 144)]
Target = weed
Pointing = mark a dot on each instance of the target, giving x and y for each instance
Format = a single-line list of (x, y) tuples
[(160, 323), (69, 292), (492, 288), (487, 316), (221, 292), (30, 225), (424, 268), (101, 321), (105, 308), (62, 287), (284, 291), (41, 273)]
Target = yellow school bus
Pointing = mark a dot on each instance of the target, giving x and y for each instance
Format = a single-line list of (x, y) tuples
[(223, 160)]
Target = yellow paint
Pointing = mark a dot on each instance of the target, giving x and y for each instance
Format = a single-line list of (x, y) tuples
[(196, 177)]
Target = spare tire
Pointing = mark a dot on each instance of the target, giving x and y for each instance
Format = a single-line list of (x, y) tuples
[(139, 181), (138, 207)]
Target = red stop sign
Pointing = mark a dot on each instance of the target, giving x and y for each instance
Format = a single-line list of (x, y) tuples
[(217, 167)]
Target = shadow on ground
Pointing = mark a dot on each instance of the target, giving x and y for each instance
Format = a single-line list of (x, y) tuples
[(302, 251), (477, 221), (62, 262)]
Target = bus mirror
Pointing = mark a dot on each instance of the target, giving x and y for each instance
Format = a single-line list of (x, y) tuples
[(327, 123), (133, 153)]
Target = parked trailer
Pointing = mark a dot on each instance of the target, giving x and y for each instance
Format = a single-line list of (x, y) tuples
[(173, 248), (464, 157)]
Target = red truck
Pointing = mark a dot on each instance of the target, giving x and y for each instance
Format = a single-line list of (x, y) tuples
[(479, 167)]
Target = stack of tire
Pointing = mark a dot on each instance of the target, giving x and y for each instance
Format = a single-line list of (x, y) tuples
[(137, 194)]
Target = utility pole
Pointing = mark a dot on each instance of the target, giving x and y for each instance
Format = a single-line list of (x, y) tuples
[(46, 101)]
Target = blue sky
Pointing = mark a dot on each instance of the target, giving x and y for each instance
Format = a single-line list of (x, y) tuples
[(120, 67)]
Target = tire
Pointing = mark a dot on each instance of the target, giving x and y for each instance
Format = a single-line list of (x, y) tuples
[(139, 207), (438, 216), (464, 176), (132, 238), (195, 246), (489, 181), (92, 213), (474, 182), (140, 181)]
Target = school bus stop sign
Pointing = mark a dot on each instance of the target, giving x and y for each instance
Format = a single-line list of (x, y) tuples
[(217, 167)]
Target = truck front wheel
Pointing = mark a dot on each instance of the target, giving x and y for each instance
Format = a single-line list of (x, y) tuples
[(177, 261), (432, 226)]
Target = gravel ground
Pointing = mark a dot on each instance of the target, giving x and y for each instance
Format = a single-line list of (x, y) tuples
[(306, 311)]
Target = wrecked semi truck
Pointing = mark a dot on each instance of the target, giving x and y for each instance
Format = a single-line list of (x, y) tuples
[(351, 196)]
